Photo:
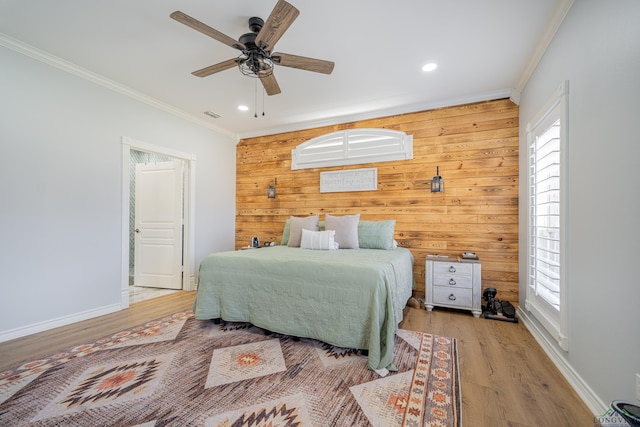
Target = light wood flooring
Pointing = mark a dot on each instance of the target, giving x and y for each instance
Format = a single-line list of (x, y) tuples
[(506, 378), (49, 342)]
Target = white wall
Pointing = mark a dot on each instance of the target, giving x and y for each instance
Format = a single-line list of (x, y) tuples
[(61, 190), (597, 49)]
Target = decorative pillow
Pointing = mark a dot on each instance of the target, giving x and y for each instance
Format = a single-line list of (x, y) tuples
[(323, 240), (376, 234), (296, 224), (346, 228), (286, 231)]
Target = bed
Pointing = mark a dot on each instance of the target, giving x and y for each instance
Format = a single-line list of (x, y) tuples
[(352, 298)]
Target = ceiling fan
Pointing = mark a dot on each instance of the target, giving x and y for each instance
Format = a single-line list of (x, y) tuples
[(256, 58)]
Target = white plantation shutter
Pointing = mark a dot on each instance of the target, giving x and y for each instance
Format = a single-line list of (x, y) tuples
[(545, 231), (547, 152), (352, 147)]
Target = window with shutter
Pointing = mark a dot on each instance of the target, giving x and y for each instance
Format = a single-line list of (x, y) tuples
[(352, 147), (546, 288)]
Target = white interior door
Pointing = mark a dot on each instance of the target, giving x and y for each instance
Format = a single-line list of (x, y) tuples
[(158, 225)]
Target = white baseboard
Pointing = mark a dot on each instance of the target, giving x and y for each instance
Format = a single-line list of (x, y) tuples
[(588, 396), (56, 323), (124, 298), (192, 283)]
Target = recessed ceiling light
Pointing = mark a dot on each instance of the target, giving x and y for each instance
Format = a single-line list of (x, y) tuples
[(243, 108), (429, 67)]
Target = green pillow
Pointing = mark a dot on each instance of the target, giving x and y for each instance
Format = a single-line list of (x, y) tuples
[(285, 233), (376, 234)]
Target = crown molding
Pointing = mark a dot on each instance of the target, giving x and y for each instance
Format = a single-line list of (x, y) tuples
[(69, 67), (547, 36), (514, 96)]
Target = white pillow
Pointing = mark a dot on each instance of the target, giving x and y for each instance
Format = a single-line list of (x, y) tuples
[(346, 228), (318, 240)]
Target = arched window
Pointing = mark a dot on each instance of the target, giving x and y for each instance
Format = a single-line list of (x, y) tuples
[(352, 147)]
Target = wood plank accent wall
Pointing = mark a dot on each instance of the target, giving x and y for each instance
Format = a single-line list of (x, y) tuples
[(476, 148)]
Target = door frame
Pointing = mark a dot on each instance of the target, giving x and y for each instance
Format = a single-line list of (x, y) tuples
[(188, 275)]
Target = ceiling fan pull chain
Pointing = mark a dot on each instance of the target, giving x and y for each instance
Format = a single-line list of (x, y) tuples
[(255, 99), (263, 102)]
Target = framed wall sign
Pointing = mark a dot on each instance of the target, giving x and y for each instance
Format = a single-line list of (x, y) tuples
[(349, 180)]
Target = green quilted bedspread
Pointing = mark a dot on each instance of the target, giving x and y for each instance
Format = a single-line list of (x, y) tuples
[(348, 298)]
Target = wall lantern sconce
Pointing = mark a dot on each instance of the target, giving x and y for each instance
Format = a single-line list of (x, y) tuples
[(437, 183), (271, 191)]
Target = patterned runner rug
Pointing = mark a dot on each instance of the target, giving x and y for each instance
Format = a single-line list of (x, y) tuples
[(180, 371)]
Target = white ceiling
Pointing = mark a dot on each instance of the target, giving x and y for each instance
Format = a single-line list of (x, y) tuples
[(484, 50)]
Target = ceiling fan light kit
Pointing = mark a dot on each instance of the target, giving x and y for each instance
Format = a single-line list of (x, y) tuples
[(257, 59)]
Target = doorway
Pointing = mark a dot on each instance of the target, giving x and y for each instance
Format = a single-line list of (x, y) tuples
[(157, 210), (155, 225)]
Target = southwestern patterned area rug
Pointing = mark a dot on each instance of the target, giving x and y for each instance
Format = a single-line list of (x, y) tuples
[(178, 371)]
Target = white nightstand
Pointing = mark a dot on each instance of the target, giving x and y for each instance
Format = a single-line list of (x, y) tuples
[(454, 284)]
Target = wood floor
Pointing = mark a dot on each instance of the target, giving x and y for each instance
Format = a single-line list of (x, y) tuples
[(506, 378), (49, 342)]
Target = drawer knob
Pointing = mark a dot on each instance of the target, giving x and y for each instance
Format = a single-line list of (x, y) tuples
[(452, 269), (452, 297), (452, 282)]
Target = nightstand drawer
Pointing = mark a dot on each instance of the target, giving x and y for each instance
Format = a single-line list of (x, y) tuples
[(452, 296), (452, 280), (457, 268)]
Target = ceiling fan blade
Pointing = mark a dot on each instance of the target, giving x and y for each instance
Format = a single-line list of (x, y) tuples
[(303, 63), (281, 17), (206, 30), (216, 68), (270, 84)]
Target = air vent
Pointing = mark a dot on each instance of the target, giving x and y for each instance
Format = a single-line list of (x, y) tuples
[(212, 114)]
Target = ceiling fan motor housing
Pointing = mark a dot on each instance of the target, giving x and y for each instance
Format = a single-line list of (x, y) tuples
[(249, 40)]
